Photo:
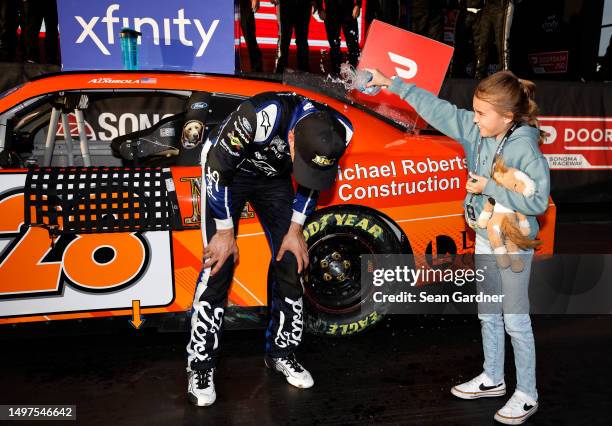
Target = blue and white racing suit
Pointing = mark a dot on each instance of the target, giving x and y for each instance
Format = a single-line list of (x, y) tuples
[(247, 158)]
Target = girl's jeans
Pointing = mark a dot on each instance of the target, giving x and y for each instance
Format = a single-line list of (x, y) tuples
[(512, 313)]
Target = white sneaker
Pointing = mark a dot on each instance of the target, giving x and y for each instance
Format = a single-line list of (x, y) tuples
[(201, 388), (479, 387), (519, 408), (293, 371)]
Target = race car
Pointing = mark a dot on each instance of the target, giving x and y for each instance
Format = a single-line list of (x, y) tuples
[(100, 201)]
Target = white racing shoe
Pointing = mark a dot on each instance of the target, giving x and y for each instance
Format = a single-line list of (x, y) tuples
[(201, 388), (519, 408), (479, 387), (293, 371)]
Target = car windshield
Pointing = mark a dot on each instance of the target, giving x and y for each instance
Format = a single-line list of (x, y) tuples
[(11, 90), (338, 90)]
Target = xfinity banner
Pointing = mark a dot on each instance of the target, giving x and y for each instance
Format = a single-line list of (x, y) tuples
[(188, 35)]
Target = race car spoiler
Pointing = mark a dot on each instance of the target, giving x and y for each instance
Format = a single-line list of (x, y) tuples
[(82, 200)]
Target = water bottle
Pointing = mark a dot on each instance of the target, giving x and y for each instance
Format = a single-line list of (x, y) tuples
[(129, 48), (363, 77)]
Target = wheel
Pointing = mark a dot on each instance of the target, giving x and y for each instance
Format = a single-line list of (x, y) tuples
[(337, 237)]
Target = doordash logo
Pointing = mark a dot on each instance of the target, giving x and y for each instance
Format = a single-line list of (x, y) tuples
[(410, 67), (578, 133), (577, 142), (103, 30)]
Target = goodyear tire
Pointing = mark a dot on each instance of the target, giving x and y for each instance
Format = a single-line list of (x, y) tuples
[(337, 237)]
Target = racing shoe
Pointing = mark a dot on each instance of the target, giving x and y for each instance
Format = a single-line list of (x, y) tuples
[(293, 371), (519, 408), (479, 387), (201, 387)]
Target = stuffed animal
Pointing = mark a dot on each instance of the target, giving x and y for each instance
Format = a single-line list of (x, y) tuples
[(505, 234)]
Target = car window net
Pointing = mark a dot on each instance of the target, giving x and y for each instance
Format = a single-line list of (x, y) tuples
[(81, 200)]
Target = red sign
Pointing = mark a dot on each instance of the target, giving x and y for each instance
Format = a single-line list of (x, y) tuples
[(549, 62), (577, 142), (412, 57)]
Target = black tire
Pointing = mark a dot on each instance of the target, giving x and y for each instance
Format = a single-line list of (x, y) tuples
[(337, 237)]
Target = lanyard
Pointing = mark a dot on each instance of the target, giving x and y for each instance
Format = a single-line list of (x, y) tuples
[(498, 151)]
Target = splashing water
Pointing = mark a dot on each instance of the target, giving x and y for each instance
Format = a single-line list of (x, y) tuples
[(352, 78), (357, 79), (348, 76), (341, 86), (323, 54)]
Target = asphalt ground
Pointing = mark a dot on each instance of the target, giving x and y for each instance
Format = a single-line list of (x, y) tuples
[(400, 372)]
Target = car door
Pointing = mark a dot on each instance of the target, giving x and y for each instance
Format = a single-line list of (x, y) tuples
[(48, 271)]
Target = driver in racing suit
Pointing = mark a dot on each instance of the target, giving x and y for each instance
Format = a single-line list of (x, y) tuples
[(250, 156)]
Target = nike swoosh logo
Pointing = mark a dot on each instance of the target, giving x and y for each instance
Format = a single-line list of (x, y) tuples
[(486, 388), (527, 407)]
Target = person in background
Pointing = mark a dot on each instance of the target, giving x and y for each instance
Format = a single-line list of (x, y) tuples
[(34, 12), (8, 30), (384, 10), (494, 30), (503, 125), (427, 19), (341, 15), (248, 8), (466, 37), (293, 15), (606, 65)]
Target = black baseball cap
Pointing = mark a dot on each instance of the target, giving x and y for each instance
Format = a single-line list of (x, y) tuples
[(320, 141)]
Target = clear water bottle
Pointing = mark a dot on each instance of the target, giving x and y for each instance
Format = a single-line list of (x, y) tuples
[(363, 77)]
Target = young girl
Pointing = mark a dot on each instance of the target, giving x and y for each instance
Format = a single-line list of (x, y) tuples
[(503, 124)]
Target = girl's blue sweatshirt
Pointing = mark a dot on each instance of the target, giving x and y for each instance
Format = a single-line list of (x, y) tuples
[(521, 151)]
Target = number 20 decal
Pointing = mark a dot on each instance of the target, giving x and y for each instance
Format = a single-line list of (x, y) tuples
[(92, 263)]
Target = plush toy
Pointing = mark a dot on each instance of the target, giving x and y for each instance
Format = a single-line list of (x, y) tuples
[(505, 234)]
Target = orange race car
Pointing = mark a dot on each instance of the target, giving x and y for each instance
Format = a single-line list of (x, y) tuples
[(122, 235)]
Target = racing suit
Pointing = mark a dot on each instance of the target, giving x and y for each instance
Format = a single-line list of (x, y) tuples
[(494, 28), (247, 158), (293, 14), (466, 36), (339, 15), (427, 18), (384, 10)]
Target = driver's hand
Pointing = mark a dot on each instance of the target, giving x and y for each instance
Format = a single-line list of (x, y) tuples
[(222, 245), (294, 242)]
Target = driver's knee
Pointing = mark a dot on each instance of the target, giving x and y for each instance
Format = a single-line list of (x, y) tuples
[(287, 277)]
